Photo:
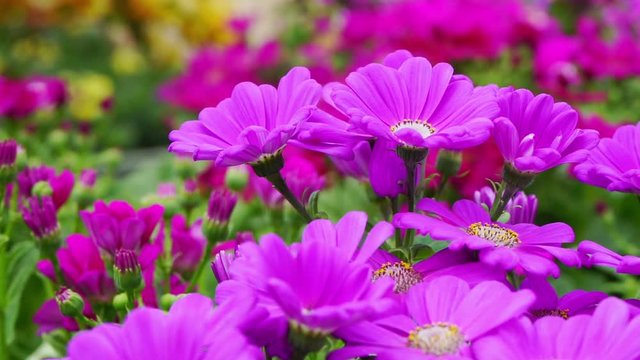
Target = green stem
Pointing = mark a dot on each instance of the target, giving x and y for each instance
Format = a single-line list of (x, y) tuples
[(411, 202), (131, 300), (441, 186), (3, 299), (201, 265), (395, 207), (502, 198), (280, 185)]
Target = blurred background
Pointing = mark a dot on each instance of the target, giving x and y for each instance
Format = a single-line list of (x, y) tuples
[(100, 83)]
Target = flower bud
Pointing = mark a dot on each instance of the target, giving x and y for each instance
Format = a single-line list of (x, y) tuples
[(167, 300), (40, 216), (126, 270), (448, 163), (70, 302), (42, 189), (120, 302), (221, 205), (236, 178), (8, 154)]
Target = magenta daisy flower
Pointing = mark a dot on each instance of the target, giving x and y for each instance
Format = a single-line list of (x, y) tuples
[(610, 333), (548, 303), (524, 248), (593, 253), (408, 101), (442, 319), (534, 133), (615, 163), (460, 264), (347, 235), (192, 329), (310, 289), (255, 122)]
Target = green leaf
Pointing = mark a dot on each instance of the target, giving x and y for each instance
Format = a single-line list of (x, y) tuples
[(22, 263)]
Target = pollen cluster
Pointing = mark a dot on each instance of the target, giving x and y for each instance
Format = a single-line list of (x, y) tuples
[(497, 234), (401, 272), (437, 339)]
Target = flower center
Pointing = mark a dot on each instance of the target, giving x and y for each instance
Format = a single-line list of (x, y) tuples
[(402, 274), (424, 128), (495, 233), (563, 313), (437, 339)]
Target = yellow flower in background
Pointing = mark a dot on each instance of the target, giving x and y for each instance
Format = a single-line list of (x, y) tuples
[(206, 21), (167, 46), (126, 60), (87, 92), (35, 49)]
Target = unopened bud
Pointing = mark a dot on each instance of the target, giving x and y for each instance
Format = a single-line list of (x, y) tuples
[(126, 270), (70, 302)]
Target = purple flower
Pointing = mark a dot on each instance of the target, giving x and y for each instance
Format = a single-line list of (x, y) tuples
[(61, 184), (41, 217), (221, 205), (610, 333), (571, 304), (442, 318), (49, 318), (212, 73), (387, 172), (118, 225), (534, 133), (187, 244), (410, 102), (524, 248), (84, 270), (312, 285), (192, 329), (34, 93), (521, 207), (593, 253), (615, 163), (347, 235), (88, 178), (256, 121), (460, 264), (8, 152)]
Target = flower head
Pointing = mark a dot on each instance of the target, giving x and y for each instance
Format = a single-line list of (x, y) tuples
[(40, 216), (192, 329), (610, 333), (444, 317), (525, 248), (254, 123), (548, 303), (615, 163), (593, 253), (460, 264), (312, 286), (118, 225), (126, 270), (61, 184), (534, 133), (8, 153), (409, 102), (83, 269)]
